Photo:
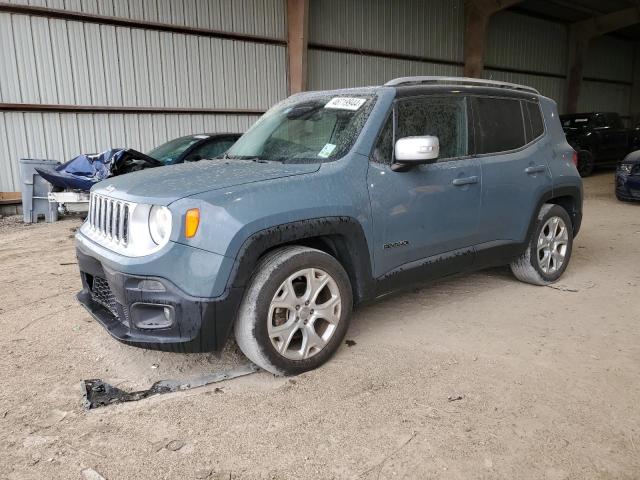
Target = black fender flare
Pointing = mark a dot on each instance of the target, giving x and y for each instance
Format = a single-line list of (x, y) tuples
[(343, 235), (575, 213)]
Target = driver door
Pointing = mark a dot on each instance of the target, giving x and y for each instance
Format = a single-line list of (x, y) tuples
[(426, 218)]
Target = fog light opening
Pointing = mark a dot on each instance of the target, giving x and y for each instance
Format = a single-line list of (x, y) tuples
[(152, 317)]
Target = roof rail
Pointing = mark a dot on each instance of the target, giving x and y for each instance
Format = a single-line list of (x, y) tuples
[(420, 80)]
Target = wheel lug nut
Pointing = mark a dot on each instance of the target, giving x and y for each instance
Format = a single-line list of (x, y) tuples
[(311, 311), (307, 302), (297, 307)]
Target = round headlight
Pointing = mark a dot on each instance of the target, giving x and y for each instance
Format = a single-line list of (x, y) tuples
[(160, 224)]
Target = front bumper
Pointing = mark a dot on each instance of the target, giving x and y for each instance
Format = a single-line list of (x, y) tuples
[(628, 187), (119, 301)]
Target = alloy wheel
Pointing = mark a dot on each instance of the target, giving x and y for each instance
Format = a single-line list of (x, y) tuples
[(552, 245), (304, 314)]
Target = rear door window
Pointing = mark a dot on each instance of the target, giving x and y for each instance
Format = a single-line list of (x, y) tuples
[(499, 125)]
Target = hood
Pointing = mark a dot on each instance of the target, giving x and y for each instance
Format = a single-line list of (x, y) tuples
[(164, 185)]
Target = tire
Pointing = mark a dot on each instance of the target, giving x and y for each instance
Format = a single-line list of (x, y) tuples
[(535, 270), (586, 163), (275, 327)]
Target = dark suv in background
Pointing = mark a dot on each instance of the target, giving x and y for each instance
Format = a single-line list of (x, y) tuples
[(600, 138)]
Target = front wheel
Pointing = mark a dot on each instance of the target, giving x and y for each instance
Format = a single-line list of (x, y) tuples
[(295, 312), (549, 251)]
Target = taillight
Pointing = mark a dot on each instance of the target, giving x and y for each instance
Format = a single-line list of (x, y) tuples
[(575, 158)]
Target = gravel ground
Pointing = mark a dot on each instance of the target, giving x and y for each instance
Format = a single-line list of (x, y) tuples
[(547, 378)]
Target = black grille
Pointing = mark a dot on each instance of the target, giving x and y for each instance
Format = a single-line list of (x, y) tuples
[(102, 294)]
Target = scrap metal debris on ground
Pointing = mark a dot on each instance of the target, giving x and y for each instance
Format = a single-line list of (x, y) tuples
[(97, 393)]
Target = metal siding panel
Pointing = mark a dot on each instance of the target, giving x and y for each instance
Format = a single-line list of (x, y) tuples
[(102, 132), (117, 129), (553, 88), (140, 67), (610, 58), (526, 43), (52, 136), (89, 6), (329, 70), (62, 61), (44, 63), (182, 77), (193, 72), (598, 96), (25, 58), (132, 131), (79, 63), (146, 135), (256, 17), (219, 77), (17, 142), (113, 75), (128, 80), (34, 134), (96, 64), (416, 27), (86, 133), (206, 72), (153, 68), (167, 80), (70, 135), (9, 76), (6, 163)]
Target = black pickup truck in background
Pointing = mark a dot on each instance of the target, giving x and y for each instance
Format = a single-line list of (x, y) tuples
[(600, 139)]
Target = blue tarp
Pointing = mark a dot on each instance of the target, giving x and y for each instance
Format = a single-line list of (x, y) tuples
[(83, 171)]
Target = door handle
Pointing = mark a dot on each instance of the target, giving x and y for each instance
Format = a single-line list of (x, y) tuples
[(536, 169), (464, 181)]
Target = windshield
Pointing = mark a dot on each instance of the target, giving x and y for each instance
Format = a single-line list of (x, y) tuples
[(305, 130), (170, 151)]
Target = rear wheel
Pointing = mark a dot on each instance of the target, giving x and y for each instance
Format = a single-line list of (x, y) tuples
[(585, 163), (295, 311), (549, 250)]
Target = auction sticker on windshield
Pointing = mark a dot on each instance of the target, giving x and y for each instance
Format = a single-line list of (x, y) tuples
[(345, 103), (327, 150)]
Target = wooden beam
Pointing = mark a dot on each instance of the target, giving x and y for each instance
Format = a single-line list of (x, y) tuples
[(297, 44), (10, 198), (477, 14), (580, 34)]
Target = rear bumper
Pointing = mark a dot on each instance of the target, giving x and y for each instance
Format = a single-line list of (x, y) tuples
[(120, 302)]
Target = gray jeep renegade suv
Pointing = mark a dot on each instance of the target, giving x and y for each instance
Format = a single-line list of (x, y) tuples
[(330, 200)]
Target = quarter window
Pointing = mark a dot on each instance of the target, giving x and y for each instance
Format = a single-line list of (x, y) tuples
[(500, 125), (533, 120)]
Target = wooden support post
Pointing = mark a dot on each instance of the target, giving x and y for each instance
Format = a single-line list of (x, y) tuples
[(477, 14), (580, 33), (297, 39), (578, 48)]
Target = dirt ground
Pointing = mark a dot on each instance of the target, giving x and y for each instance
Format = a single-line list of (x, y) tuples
[(549, 378)]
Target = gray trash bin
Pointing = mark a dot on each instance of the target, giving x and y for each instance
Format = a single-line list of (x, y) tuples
[(35, 190)]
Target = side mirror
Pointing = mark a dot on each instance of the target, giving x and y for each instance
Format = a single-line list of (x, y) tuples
[(417, 150)]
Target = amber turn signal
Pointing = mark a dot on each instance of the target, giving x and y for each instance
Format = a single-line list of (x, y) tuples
[(191, 222)]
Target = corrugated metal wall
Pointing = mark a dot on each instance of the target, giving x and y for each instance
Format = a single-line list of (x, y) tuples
[(254, 17), (520, 49), (426, 28), (63, 62), (69, 62)]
